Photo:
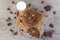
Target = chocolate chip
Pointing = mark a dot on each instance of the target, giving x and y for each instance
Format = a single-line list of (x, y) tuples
[(8, 8), (15, 33), (47, 8), (51, 25), (54, 12), (11, 30), (9, 24)]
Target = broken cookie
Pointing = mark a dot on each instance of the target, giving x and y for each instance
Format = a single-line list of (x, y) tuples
[(30, 19)]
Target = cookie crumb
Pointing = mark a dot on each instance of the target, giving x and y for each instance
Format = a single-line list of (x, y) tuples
[(20, 20), (11, 30), (51, 25), (15, 33), (15, 17), (42, 1), (8, 8), (8, 19), (12, 2), (9, 24), (21, 29), (46, 15), (29, 5), (47, 34), (17, 13), (10, 12), (47, 8), (54, 12)]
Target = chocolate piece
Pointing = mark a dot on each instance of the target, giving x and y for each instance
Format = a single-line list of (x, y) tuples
[(47, 8), (34, 32), (51, 25)]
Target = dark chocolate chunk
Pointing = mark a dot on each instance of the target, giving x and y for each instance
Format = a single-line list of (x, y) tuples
[(9, 24), (47, 8), (51, 25)]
